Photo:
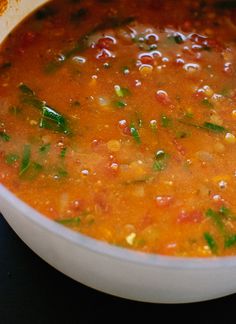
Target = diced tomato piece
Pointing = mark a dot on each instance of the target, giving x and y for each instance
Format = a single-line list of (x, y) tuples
[(103, 55), (105, 43), (101, 204), (147, 59), (163, 97), (194, 216), (164, 201), (213, 43), (124, 127), (217, 199), (179, 147), (198, 39), (77, 205)]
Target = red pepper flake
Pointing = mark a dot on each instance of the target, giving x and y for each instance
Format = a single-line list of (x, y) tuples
[(123, 125), (194, 216)]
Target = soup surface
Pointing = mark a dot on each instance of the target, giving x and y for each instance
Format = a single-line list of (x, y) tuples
[(118, 120)]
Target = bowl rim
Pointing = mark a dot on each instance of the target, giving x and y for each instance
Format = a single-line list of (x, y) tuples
[(112, 251)]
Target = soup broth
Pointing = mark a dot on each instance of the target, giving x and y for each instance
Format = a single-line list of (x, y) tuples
[(118, 120)]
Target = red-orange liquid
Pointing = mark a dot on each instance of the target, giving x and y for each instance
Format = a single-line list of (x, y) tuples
[(143, 153)]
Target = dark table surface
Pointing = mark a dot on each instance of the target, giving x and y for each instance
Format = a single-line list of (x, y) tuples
[(33, 292)]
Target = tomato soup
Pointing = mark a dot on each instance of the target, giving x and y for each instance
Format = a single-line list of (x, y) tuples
[(118, 120)]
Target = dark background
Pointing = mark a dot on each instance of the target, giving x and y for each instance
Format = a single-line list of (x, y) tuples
[(33, 292)]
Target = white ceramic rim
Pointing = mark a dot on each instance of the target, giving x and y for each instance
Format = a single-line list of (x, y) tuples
[(103, 248)]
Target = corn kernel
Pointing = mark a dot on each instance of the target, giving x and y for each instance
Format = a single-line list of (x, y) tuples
[(220, 178), (113, 145), (208, 90), (33, 122), (230, 138), (234, 113), (145, 69), (130, 238)]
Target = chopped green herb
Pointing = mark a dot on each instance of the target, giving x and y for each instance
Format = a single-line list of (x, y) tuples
[(227, 213), (161, 155), (181, 134), (37, 167), (6, 65), (225, 92), (51, 119), (69, 221), (153, 47), (25, 162), (82, 44), (207, 103), (178, 39), (26, 90), (211, 242), (125, 70), (61, 173), (217, 218), (120, 104), (139, 119), (135, 134), (76, 104), (51, 67), (230, 241), (63, 152), (188, 114), (206, 48), (166, 121), (206, 126), (45, 148), (11, 158), (214, 128), (5, 137), (161, 159), (15, 110), (140, 122), (106, 65), (32, 101), (121, 92)]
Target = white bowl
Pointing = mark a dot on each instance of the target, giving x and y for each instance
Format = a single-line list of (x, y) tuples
[(117, 271)]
